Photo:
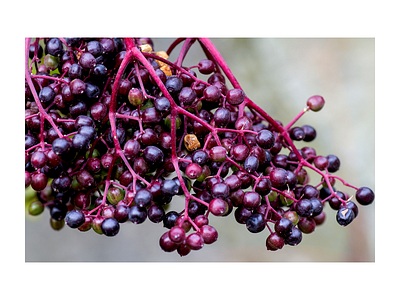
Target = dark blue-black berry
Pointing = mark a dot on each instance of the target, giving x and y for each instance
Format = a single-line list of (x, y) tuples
[(334, 163), (365, 196), (89, 132), (153, 155), (92, 91), (162, 104), (169, 187), (61, 146), (344, 216), (75, 218), (61, 184), (294, 238), (255, 223), (137, 215), (170, 218), (58, 211), (251, 164), (143, 198), (110, 227), (283, 227), (80, 142), (46, 95), (54, 47), (174, 85), (317, 206), (304, 208)]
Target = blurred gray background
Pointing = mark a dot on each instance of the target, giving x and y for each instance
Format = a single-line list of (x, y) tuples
[(279, 75)]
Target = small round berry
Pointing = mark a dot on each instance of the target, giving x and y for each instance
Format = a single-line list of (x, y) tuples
[(218, 207), (344, 216), (218, 154), (278, 177), (352, 206), (187, 96), (177, 234), (183, 249), (61, 146), (309, 133), (135, 97), (283, 227), (242, 214), (263, 187), (57, 225), (275, 242), (174, 85), (166, 244), (306, 225), (320, 219), (235, 96), (162, 104), (292, 216), (121, 213), (143, 198), (137, 215), (251, 200), (46, 95), (297, 134), (304, 208), (80, 142), (334, 163), (75, 218), (200, 157), (315, 103), (39, 181), (54, 47), (365, 196), (222, 117), (195, 241), (206, 66), (255, 223), (201, 220), (115, 194), (35, 208), (193, 171), (209, 234), (153, 155), (170, 219), (220, 190), (265, 139), (169, 187), (87, 60), (294, 238), (110, 227), (38, 159), (321, 162), (212, 93), (317, 206), (155, 213)]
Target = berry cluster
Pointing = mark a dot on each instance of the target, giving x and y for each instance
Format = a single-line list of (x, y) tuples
[(114, 132)]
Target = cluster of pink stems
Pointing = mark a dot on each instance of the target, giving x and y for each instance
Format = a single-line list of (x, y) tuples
[(134, 55)]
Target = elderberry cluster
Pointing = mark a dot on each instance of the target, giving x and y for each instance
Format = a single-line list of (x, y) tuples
[(114, 132)]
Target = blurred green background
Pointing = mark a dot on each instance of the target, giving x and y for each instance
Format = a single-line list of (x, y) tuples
[(279, 74)]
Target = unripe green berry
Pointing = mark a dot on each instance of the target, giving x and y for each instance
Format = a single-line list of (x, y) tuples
[(51, 62), (35, 208), (115, 194)]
